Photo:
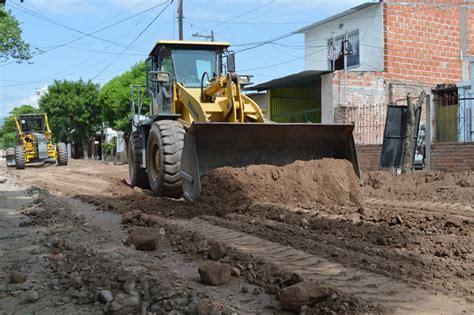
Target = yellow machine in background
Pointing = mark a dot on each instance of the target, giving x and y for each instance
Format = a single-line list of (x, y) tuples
[(35, 143), (200, 120)]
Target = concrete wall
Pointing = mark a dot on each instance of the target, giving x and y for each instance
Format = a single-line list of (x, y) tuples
[(368, 21), (327, 97)]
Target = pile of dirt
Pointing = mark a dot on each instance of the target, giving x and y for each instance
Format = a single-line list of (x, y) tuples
[(433, 186), (302, 183)]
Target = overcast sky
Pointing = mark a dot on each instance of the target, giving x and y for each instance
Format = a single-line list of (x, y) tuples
[(49, 23)]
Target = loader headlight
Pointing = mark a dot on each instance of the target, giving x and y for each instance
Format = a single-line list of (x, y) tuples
[(244, 79)]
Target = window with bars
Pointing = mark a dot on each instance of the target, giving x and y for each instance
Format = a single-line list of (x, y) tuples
[(336, 51)]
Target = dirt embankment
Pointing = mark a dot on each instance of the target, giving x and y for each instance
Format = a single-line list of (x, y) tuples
[(302, 183), (434, 186)]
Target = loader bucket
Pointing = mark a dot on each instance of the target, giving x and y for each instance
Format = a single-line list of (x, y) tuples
[(212, 145)]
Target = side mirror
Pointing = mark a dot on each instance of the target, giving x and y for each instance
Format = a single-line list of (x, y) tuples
[(160, 76), (231, 62)]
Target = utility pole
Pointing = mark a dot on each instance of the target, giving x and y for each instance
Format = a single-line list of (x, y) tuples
[(211, 37), (180, 19)]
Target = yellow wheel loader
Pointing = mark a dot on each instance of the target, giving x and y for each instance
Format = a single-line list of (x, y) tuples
[(200, 120), (35, 143)]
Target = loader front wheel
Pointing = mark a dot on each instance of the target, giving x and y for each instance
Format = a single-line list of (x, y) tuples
[(62, 154), (20, 158), (164, 148), (138, 176)]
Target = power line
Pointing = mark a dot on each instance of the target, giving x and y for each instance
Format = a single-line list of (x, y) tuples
[(285, 62), (239, 15), (37, 15), (133, 41), (41, 17)]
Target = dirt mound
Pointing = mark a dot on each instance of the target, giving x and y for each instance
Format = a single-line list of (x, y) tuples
[(302, 183), (434, 186)]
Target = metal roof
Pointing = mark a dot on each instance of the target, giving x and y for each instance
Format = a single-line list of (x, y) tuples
[(289, 80), (339, 15), (190, 44)]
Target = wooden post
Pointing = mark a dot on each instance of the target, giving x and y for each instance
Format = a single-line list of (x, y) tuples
[(410, 137), (429, 130), (180, 20)]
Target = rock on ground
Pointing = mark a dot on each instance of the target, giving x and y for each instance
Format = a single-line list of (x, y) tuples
[(17, 277), (217, 250), (106, 296), (143, 239), (214, 273), (303, 293)]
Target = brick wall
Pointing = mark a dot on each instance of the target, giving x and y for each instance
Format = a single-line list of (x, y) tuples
[(444, 156), (369, 157), (422, 40), (452, 156)]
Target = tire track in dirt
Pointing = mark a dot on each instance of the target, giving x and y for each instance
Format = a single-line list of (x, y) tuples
[(423, 205), (389, 293)]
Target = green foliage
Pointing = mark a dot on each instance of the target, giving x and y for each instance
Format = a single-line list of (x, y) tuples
[(12, 46), (114, 97), (108, 148), (73, 110), (8, 131)]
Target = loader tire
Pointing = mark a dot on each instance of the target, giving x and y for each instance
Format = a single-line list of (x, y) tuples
[(138, 176), (164, 148), (62, 154), (10, 156), (19, 158)]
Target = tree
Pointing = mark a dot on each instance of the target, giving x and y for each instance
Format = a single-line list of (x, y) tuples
[(12, 45), (73, 111), (8, 131), (114, 97)]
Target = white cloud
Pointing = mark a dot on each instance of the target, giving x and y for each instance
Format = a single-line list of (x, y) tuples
[(30, 100)]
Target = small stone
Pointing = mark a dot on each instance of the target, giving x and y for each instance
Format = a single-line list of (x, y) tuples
[(235, 272), (225, 260), (77, 282), (162, 231), (304, 222), (202, 246), (17, 277), (303, 293), (256, 291), (143, 239), (129, 286), (240, 267), (217, 250), (3, 179), (249, 266), (245, 289), (214, 273), (399, 220), (32, 296), (105, 296)]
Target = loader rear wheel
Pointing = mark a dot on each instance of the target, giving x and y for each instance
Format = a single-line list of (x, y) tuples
[(19, 158), (164, 148), (10, 157), (138, 176), (62, 154)]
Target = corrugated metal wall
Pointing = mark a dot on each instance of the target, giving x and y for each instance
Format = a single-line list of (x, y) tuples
[(299, 103)]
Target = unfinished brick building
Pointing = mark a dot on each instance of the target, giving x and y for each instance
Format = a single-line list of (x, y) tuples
[(395, 48)]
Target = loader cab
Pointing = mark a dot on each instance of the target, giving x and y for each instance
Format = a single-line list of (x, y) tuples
[(32, 123), (189, 63)]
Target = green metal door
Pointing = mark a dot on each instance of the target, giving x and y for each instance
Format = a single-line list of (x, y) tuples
[(296, 104)]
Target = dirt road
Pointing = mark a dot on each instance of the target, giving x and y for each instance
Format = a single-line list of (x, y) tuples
[(407, 248)]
